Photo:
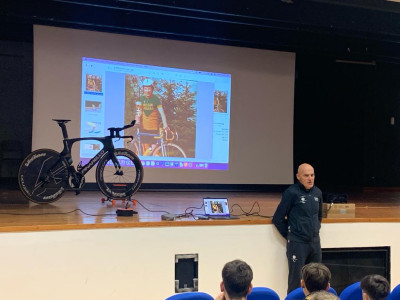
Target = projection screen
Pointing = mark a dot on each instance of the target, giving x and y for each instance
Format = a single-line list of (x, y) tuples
[(236, 129)]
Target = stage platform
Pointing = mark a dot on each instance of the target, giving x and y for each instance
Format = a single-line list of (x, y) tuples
[(87, 211), (81, 248)]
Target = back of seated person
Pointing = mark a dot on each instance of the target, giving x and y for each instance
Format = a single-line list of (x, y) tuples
[(236, 281), (322, 295), (315, 277), (374, 287)]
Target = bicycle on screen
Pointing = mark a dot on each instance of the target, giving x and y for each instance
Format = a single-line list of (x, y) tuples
[(162, 144)]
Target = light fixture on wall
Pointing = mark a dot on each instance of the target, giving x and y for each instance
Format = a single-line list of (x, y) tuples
[(356, 62), (360, 52)]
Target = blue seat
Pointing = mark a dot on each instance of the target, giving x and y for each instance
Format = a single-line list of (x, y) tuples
[(262, 293), (395, 294), (298, 294), (352, 292), (191, 296)]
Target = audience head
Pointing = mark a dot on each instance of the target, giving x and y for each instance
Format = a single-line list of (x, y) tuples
[(322, 295), (374, 287), (236, 279), (315, 277)]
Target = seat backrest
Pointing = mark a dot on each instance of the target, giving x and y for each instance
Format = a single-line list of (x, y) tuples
[(352, 292), (262, 293), (395, 294), (332, 290), (298, 294), (191, 296)]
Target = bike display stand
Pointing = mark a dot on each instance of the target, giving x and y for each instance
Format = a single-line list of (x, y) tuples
[(128, 201)]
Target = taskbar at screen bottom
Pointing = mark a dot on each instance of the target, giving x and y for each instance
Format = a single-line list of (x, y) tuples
[(183, 165), (152, 163)]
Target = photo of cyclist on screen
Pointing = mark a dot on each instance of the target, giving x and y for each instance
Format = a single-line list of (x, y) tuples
[(149, 110), (165, 111)]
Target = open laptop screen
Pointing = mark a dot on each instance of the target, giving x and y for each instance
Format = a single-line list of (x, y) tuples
[(216, 207)]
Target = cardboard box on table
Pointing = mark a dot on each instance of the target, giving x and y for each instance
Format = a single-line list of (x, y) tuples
[(335, 210)]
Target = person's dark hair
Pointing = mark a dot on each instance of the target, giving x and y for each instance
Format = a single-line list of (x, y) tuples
[(316, 276), (237, 276), (375, 286)]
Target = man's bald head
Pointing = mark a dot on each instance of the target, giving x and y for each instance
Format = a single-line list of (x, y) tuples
[(305, 175)]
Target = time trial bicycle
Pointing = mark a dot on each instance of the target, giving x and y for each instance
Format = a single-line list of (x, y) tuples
[(45, 174)]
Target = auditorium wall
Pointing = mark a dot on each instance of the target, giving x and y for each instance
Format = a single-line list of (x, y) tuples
[(138, 263)]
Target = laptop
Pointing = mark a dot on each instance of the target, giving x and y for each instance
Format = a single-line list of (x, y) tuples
[(217, 208)]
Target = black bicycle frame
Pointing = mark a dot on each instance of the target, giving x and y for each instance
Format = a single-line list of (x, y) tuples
[(108, 148)]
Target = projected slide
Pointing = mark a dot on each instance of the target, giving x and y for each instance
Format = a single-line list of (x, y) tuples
[(182, 116)]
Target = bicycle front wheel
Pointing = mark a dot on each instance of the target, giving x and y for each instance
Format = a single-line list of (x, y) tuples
[(43, 176), (170, 150), (123, 182)]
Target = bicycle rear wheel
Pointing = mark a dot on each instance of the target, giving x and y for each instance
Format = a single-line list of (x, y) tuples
[(171, 150), (119, 183), (43, 176)]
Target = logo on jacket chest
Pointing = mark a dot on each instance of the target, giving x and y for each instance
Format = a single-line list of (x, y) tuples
[(303, 199)]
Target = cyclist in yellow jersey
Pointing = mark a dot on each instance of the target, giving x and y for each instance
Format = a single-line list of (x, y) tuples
[(148, 111)]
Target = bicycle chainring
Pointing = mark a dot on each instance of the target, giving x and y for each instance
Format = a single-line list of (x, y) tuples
[(76, 180)]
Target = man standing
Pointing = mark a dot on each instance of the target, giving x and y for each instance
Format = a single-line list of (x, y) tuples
[(236, 281), (148, 111), (298, 219)]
